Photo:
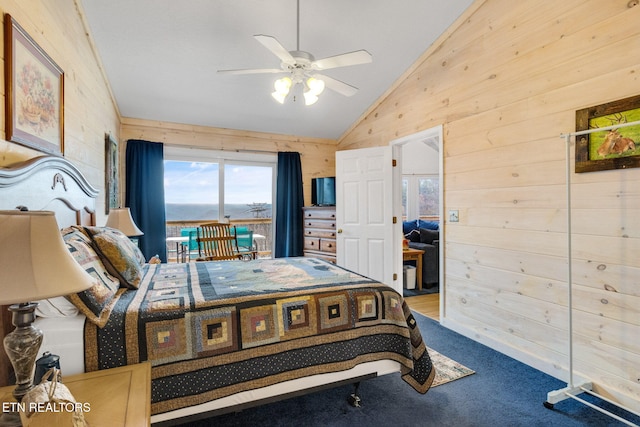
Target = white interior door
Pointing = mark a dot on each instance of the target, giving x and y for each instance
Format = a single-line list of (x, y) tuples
[(364, 214)]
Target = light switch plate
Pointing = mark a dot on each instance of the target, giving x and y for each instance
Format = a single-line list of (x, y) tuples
[(453, 216)]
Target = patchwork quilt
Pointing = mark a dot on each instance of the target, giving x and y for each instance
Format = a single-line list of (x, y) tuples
[(212, 329)]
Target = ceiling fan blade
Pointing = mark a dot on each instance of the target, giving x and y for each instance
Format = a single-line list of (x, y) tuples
[(344, 60), (252, 71), (336, 85), (276, 48)]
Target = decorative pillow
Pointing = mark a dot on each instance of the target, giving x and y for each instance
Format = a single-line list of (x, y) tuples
[(430, 225), (428, 236), (413, 236), (119, 254), (56, 307), (96, 302), (409, 226)]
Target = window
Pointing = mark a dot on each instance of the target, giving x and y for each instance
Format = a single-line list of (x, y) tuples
[(247, 191), (420, 196), (428, 196), (191, 190), (198, 182)]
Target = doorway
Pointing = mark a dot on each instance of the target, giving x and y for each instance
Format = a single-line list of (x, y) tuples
[(431, 141)]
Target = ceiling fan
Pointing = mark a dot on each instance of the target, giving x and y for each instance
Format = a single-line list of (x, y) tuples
[(302, 68)]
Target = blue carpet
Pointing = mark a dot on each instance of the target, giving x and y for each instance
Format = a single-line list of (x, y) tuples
[(502, 392)]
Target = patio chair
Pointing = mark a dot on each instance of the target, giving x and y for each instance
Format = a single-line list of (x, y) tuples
[(217, 242), (191, 246), (244, 237)]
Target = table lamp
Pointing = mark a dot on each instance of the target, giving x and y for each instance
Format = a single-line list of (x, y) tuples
[(121, 219), (35, 264)]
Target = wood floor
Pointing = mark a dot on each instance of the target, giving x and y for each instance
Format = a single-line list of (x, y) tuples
[(428, 305)]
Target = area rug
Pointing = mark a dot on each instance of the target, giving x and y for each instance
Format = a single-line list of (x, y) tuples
[(447, 370)]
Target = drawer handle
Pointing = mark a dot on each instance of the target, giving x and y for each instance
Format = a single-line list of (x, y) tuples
[(312, 243), (329, 245)]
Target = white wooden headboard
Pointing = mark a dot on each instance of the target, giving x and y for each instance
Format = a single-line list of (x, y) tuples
[(44, 183), (52, 184)]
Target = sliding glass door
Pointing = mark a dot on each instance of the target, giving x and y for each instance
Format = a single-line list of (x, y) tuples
[(206, 185)]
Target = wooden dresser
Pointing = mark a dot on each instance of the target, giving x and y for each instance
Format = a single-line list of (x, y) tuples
[(320, 232)]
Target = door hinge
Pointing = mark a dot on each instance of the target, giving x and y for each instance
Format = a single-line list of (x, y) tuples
[(395, 219), (395, 276), (394, 163)]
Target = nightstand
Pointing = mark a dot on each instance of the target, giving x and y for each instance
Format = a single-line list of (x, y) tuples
[(117, 397)]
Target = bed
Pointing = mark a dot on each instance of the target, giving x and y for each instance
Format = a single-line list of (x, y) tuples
[(220, 335)]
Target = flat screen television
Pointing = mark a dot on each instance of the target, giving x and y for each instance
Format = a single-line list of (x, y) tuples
[(323, 191)]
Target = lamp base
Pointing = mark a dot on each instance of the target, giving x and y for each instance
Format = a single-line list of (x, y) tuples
[(22, 346)]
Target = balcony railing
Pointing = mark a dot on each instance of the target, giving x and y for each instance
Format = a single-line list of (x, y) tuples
[(261, 228)]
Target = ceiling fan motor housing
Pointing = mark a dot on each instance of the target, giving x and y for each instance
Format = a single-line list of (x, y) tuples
[(302, 65)]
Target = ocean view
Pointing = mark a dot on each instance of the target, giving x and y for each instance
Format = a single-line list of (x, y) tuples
[(199, 212)]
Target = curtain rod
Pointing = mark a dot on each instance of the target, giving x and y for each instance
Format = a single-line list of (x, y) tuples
[(232, 150)]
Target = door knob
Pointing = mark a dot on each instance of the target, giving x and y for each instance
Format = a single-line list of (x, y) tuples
[(339, 230)]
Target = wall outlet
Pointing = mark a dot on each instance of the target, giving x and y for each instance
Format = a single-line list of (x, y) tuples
[(453, 216)]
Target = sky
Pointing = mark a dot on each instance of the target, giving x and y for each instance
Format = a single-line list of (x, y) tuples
[(197, 182)]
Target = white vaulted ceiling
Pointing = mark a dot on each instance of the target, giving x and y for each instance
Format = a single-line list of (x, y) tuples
[(161, 56)]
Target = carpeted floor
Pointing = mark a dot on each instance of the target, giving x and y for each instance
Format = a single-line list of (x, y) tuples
[(502, 392)]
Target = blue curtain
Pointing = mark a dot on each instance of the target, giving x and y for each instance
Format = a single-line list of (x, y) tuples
[(289, 201), (145, 194)]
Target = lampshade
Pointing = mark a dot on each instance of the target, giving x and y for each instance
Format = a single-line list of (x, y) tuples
[(121, 219), (35, 262), (282, 87), (316, 86)]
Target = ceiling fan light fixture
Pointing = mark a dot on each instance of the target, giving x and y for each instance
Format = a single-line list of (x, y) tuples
[(282, 87), (280, 97), (316, 86), (301, 64), (310, 98)]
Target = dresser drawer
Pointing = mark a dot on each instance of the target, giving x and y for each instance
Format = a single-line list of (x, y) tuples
[(312, 243), (328, 245), (312, 232), (319, 213), (319, 223)]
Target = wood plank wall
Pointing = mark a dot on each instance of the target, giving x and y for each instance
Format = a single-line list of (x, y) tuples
[(317, 154), (89, 113), (505, 83)]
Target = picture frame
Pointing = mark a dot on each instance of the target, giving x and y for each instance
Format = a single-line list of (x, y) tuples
[(34, 92), (609, 149), (111, 176)]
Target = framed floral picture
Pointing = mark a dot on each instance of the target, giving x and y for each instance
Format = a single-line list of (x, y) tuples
[(34, 92)]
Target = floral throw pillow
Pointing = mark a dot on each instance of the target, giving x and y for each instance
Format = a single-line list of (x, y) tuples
[(96, 302), (120, 255)]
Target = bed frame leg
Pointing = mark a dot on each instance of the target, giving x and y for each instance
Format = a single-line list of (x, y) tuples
[(354, 399)]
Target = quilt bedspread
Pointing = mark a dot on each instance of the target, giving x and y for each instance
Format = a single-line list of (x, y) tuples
[(211, 329)]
